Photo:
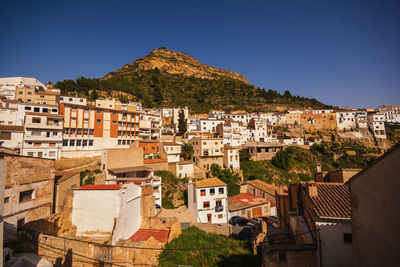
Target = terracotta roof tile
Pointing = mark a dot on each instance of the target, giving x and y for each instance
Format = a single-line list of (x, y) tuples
[(245, 200), (100, 187), (269, 188), (332, 200), (144, 235), (211, 182)]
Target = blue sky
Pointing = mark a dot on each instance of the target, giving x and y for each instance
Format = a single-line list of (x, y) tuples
[(344, 53)]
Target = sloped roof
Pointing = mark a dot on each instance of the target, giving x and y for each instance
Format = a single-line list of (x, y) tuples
[(269, 188), (332, 200), (245, 200), (211, 182), (141, 235)]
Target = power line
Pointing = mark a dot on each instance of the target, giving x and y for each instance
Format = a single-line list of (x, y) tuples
[(134, 247)]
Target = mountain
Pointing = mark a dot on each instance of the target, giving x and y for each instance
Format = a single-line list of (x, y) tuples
[(166, 78), (174, 62)]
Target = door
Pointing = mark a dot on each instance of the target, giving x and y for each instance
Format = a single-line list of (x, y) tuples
[(257, 212), (208, 218)]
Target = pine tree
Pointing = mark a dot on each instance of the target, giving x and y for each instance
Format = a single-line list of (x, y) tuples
[(182, 123)]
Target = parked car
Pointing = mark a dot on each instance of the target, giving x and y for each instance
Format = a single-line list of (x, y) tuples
[(268, 220), (237, 220)]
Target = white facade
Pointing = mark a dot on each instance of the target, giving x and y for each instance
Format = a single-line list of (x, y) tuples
[(234, 133), (209, 126), (361, 119), (184, 169), (346, 121), (9, 85), (202, 203), (376, 123), (150, 126), (259, 131), (8, 112), (73, 100), (321, 111), (101, 210), (292, 141), (166, 112), (43, 135), (37, 108), (231, 158), (216, 114), (173, 151)]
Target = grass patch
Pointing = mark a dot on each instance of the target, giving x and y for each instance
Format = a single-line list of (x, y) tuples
[(230, 253)]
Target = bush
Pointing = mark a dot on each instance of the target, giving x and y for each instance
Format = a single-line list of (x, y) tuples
[(227, 177), (193, 242)]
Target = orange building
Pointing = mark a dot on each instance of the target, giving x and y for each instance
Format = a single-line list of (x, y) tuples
[(87, 129)]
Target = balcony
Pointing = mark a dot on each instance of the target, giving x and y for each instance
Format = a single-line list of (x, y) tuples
[(219, 208)]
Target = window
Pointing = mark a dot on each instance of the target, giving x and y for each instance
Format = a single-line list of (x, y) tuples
[(20, 92), (98, 121), (79, 131), (85, 131), (98, 111), (30, 154), (55, 133), (84, 143), (52, 154), (37, 144), (65, 142), (91, 131), (90, 142), (72, 142), (114, 122), (27, 108), (36, 109), (45, 110), (52, 144), (119, 142), (221, 190), (212, 191), (35, 120), (206, 204), (26, 195), (347, 238), (72, 130), (36, 133), (202, 192), (78, 142), (219, 216), (54, 110), (218, 203)]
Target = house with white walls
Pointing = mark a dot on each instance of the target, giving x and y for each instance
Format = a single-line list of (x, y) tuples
[(231, 157), (105, 210), (184, 169), (209, 125), (207, 151), (346, 120), (171, 151), (376, 124), (259, 130), (361, 119), (233, 132), (43, 135), (208, 201)]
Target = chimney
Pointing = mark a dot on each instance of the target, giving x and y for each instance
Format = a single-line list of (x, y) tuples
[(312, 189)]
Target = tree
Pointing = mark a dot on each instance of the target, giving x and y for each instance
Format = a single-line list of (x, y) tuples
[(187, 150), (182, 123), (93, 95), (287, 94)]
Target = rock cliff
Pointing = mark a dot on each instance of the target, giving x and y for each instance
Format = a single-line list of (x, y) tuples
[(174, 62)]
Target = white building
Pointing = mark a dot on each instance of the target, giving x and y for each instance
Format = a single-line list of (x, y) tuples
[(259, 130), (166, 112), (11, 136), (346, 120), (270, 118), (43, 135), (150, 126), (216, 114), (361, 119), (171, 150), (8, 111), (208, 201), (73, 100), (184, 169), (209, 125), (36, 108), (376, 124), (9, 85), (231, 157), (321, 111), (104, 210), (292, 141)]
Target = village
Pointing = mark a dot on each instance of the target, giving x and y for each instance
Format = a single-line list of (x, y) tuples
[(83, 181)]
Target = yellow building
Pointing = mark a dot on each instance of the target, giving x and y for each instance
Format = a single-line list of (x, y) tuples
[(37, 96)]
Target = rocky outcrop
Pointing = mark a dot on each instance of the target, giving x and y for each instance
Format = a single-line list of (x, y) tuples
[(174, 62)]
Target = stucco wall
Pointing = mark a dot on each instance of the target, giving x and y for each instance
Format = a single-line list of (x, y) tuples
[(94, 211), (375, 203), (334, 251)]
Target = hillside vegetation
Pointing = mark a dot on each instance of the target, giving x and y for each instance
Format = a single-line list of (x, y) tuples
[(295, 164), (229, 252), (200, 87)]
